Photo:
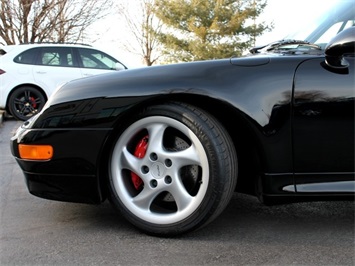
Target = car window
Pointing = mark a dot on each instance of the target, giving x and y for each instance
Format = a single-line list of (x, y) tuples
[(56, 56), (27, 57), (92, 58)]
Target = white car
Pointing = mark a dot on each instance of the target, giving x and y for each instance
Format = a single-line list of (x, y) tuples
[(29, 73)]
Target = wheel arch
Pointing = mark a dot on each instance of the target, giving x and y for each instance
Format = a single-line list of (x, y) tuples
[(244, 137), (24, 85), (243, 132)]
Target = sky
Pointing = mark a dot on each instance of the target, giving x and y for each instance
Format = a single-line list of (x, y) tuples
[(286, 15)]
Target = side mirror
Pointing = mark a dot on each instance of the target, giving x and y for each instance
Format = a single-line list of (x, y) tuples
[(340, 45)]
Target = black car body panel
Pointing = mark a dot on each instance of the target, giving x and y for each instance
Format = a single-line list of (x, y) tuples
[(290, 115), (287, 112)]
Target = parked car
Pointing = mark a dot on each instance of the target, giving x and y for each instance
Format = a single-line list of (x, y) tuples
[(169, 145), (29, 73)]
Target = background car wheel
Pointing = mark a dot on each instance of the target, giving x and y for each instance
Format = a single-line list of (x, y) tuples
[(173, 170), (25, 102)]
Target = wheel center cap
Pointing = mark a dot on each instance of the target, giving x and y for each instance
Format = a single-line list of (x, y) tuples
[(158, 170)]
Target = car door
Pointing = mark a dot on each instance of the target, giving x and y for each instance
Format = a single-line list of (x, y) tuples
[(323, 128), (94, 62), (55, 66)]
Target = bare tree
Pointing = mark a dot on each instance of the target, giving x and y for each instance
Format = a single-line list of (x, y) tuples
[(23, 21), (140, 21)]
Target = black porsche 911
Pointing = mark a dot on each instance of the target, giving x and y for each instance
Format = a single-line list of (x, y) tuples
[(169, 145)]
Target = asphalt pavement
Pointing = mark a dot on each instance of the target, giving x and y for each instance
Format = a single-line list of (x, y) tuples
[(35, 231)]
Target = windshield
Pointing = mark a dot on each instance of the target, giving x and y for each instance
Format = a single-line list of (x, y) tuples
[(339, 17)]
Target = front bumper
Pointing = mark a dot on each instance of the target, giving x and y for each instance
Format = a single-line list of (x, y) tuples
[(72, 175)]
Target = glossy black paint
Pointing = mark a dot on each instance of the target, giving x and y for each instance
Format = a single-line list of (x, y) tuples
[(341, 45), (291, 119), (323, 119)]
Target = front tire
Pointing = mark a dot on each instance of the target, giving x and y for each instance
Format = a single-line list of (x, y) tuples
[(172, 170), (25, 102)]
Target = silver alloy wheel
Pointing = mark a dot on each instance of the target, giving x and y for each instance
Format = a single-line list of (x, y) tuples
[(166, 196)]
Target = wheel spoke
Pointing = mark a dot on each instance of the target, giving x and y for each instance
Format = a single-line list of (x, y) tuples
[(18, 101), (31, 109), (130, 162), (27, 95), (181, 196), (37, 101), (144, 199), (23, 109), (156, 134), (189, 156)]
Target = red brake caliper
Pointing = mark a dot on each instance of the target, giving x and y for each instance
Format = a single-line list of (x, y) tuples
[(139, 152), (33, 102)]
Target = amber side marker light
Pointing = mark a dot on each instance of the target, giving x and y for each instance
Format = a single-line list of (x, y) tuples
[(35, 152)]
